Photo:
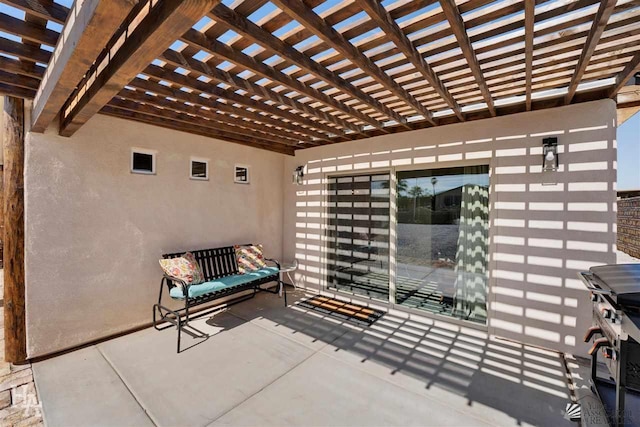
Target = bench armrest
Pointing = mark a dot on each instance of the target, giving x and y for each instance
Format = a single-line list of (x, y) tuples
[(276, 262), (185, 286)]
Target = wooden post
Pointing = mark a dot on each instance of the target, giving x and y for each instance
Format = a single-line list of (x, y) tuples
[(14, 312)]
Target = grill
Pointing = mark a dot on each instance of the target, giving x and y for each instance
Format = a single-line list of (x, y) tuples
[(615, 293)]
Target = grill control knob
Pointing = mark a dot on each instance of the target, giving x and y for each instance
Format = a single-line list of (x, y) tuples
[(607, 313)]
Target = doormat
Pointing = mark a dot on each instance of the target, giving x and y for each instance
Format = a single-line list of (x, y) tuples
[(350, 312)]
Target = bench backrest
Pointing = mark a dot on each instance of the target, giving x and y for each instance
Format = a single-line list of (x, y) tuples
[(215, 263)]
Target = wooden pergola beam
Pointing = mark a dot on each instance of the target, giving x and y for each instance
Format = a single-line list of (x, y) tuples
[(90, 26), (383, 19), (214, 115), (41, 8), (217, 129), (623, 77), (151, 37), (221, 50), (529, 21), (214, 91), (295, 131), (314, 23), (256, 34), (23, 51), (27, 30), (191, 128), (22, 68), (202, 68), (597, 28), (459, 30), (13, 239)]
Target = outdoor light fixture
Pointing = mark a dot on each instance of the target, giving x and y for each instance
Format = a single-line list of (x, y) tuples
[(298, 174), (550, 161)]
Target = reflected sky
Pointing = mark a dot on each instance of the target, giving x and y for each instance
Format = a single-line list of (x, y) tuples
[(445, 182)]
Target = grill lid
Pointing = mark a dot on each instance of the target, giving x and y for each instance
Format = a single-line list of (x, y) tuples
[(622, 279)]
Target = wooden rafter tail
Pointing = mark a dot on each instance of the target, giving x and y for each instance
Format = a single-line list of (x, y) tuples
[(90, 27), (230, 54), (623, 77), (179, 107), (203, 69), (256, 34), (384, 20), (597, 28), (182, 96), (43, 9), (180, 80), (454, 17), (152, 36), (529, 21), (194, 129), (333, 38)]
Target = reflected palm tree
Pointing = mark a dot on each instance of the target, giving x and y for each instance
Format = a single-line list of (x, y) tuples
[(415, 192), (403, 186)]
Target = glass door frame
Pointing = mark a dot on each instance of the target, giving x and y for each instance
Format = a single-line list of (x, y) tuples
[(393, 226)]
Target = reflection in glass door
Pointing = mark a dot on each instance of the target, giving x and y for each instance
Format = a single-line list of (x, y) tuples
[(442, 241), (358, 235)]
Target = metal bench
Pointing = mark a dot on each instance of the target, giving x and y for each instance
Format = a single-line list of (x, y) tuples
[(222, 279)]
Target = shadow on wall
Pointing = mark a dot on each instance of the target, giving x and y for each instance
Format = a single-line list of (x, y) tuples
[(545, 227)]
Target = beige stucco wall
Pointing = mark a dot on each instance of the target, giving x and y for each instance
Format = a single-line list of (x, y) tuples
[(540, 235), (95, 231)]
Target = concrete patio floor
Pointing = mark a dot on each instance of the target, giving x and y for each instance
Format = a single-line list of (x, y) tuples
[(265, 364)]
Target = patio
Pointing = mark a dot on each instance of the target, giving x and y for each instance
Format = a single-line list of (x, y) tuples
[(269, 365)]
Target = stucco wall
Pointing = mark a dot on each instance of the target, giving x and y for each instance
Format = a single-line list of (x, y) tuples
[(540, 235), (95, 231)]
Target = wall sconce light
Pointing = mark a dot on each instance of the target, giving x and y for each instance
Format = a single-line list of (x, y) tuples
[(298, 174), (550, 160)]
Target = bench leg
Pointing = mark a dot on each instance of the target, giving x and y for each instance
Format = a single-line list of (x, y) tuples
[(179, 333), (284, 292)]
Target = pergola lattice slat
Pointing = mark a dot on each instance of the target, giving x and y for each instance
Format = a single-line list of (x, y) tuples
[(354, 70), (336, 40), (389, 26), (459, 31), (252, 31)]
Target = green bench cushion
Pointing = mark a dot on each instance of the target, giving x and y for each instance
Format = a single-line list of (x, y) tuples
[(223, 283)]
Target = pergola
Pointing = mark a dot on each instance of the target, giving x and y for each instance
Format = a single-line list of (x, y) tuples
[(290, 74)]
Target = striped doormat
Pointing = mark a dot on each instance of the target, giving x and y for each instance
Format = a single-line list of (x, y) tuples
[(350, 312)]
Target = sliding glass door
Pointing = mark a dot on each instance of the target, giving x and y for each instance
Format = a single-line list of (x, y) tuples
[(441, 221), (358, 234), (442, 241)]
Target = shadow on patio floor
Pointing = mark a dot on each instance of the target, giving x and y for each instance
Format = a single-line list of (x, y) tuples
[(525, 382), (264, 364)]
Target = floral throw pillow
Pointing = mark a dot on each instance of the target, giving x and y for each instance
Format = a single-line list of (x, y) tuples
[(250, 258), (184, 268)]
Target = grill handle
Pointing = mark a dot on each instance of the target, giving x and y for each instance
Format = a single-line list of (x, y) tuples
[(597, 344), (591, 332), (589, 281)]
